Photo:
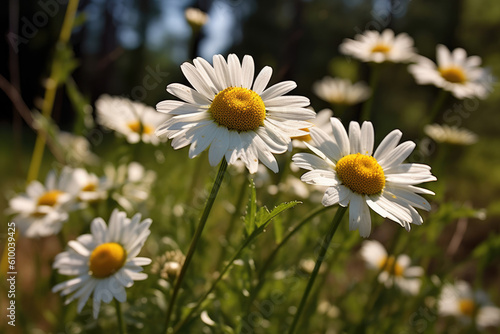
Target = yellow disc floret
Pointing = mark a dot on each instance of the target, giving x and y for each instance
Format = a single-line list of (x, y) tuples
[(382, 48), (390, 265), (49, 198), (467, 307), (453, 74), (106, 259), (238, 108), (361, 173), (139, 127)]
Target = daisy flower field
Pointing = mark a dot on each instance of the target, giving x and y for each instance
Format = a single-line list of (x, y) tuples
[(240, 167)]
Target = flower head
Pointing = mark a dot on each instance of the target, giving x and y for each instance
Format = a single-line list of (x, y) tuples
[(43, 209), (104, 262), (341, 91), (134, 120), (450, 134), (454, 72), (87, 187), (372, 46), (460, 301), (356, 178), (76, 149), (195, 17), (232, 114), (393, 270)]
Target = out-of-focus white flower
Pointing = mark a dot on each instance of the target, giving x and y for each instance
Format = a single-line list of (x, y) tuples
[(195, 17), (454, 72), (341, 91), (372, 46), (87, 187), (450, 134), (135, 120), (394, 270), (41, 211), (460, 301), (130, 184)]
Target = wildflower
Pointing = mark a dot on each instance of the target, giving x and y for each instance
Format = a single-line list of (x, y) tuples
[(341, 91), (233, 114), (196, 18), (372, 46), (76, 149), (450, 134), (104, 262), (393, 270), (43, 209), (454, 72), (360, 180), (169, 265), (135, 120), (87, 187), (460, 301)]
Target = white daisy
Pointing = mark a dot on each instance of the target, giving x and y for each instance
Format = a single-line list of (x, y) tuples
[(76, 149), (135, 120), (360, 180), (450, 134), (43, 209), (454, 72), (372, 46), (130, 184), (341, 91), (458, 300), (105, 261), (87, 187), (322, 121), (233, 114), (393, 270), (195, 17)]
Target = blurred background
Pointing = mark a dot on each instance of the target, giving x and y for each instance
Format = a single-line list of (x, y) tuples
[(134, 48)]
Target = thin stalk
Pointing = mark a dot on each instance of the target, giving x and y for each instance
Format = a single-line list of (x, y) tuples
[(324, 247), (119, 316), (196, 238), (367, 106), (437, 106), (50, 92)]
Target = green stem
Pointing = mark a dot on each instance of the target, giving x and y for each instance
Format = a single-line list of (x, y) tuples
[(436, 107), (324, 247), (119, 315), (196, 238), (367, 106)]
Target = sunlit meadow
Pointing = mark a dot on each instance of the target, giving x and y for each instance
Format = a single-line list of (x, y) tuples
[(250, 167)]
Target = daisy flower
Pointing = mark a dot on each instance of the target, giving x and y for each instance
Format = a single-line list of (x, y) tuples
[(322, 121), (87, 187), (450, 134), (454, 72), (356, 178), (135, 120), (392, 270), (43, 209), (196, 18), (372, 46), (105, 261), (233, 114), (341, 91), (460, 301), (76, 149)]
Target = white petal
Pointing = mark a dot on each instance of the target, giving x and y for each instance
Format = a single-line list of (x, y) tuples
[(247, 68), (262, 80), (388, 144), (277, 90), (340, 135), (219, 146)]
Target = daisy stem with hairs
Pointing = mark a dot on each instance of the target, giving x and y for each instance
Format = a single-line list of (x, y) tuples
[(367, 106), (324, 247), (437, 106), (194, 241), (119, 315)]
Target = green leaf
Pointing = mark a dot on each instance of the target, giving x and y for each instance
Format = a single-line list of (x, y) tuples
[(251, 209), (265, 217)]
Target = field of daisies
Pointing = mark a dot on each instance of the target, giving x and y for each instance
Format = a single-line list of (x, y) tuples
[(239, 192)]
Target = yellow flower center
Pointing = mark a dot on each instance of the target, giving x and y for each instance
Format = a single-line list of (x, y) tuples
[(139, 127), (238, 108), (382, 48), (90, 187), (306, 138), (49, 198), (106, 259), (467, 307), (361, 173), (390, 265), (453, 74)]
